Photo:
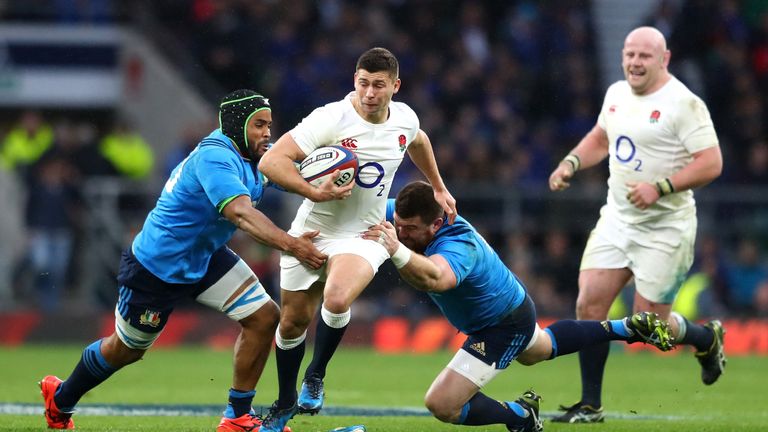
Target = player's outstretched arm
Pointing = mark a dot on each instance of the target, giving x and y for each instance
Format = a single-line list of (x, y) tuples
[(590, 151), (431, 273), (241, 213), (423, 157), (277, 165)]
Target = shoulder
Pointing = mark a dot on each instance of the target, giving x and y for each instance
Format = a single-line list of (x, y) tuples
[(403, 114), (217, 147), (686, 101), (328, 114), (680, 91), (618, 88), (461, 232)]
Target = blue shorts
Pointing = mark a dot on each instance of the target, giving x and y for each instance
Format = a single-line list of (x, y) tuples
[(501, 343), (145, 301)]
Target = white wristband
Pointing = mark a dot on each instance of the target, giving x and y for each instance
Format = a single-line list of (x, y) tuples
[(401, 256)]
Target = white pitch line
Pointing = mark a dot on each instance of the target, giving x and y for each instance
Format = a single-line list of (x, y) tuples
[(216, 410)]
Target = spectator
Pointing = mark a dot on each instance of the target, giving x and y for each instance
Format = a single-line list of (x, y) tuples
[(26, 142), (127, 151), (745, 275), (558, 268), (50, 208)]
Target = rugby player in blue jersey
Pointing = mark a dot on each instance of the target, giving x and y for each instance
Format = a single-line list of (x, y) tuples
[(483, 299), (181, 253)]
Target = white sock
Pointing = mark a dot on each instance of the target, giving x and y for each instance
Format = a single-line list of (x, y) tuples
[(286, 344), (681, 324), (334, 320)]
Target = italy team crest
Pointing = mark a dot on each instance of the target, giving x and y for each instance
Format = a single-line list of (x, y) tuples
[(150, 318)]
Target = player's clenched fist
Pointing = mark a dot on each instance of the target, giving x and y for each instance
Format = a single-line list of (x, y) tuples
[(561, 176)]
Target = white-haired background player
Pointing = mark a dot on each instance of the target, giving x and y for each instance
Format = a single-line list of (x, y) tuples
[(660, 143), (380, 132)]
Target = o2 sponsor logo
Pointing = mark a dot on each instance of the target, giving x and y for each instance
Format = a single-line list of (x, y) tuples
[(625, 152), (371, 168)]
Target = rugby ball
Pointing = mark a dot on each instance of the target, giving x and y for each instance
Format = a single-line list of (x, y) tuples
[(319, 165)]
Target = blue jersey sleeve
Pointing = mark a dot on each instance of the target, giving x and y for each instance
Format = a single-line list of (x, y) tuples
[(220, 175), (390, 215), (460, 253)]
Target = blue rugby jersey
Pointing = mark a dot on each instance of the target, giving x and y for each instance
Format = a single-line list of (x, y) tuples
[(486, 290), (184, 229)]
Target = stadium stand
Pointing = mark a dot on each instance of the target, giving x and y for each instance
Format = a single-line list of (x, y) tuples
[(503, 88)]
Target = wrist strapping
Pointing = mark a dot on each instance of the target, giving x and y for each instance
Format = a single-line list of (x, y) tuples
[(664, 187), (574, 161), (401, 256)]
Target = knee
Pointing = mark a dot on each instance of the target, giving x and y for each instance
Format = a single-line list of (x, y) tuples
[(441, 410), (264, 320), (582, 307), (529, 360), (135, 355), (294, 324), (117, 354), (336, 301), (590, 308), (540, 351)]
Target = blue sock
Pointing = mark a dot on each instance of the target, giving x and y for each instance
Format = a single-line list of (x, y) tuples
[(697, 335), (592, 360), (288, 364), (91, 370), (482, 410), (239, 403), (327, 339), (569, 336)]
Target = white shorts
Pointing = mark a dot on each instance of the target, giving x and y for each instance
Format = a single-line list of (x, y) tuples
[(658, 256), (238, 293), (297, 277)]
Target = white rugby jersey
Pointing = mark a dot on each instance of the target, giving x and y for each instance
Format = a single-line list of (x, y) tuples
[(380, 149), (651, 137)]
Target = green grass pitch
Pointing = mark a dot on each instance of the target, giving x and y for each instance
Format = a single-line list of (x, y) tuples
[(642, 392)]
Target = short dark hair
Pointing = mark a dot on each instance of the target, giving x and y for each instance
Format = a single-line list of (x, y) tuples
[(418, 199), (379, 59)]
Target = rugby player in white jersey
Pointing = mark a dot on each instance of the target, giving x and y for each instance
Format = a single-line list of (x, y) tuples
[(380, 132), (660, 143)]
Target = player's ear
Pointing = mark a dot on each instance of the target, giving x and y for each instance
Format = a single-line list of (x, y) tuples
[(397, 85), (437, 223)]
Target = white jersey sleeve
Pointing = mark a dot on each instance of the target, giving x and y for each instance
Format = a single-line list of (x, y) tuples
[(695, 128), (651, 137), (318, 128), (380, 149)]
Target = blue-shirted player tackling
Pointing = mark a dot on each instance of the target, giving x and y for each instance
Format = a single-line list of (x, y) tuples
[(181, 253), (483, 299)]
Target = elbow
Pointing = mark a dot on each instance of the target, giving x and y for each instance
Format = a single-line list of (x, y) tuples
[(714, 171), (423, 283), (716, 165), (717, 169), (264, 163), (433, 284), (236, 210)]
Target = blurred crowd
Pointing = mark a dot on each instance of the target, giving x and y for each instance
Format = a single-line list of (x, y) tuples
[(504, 89)]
